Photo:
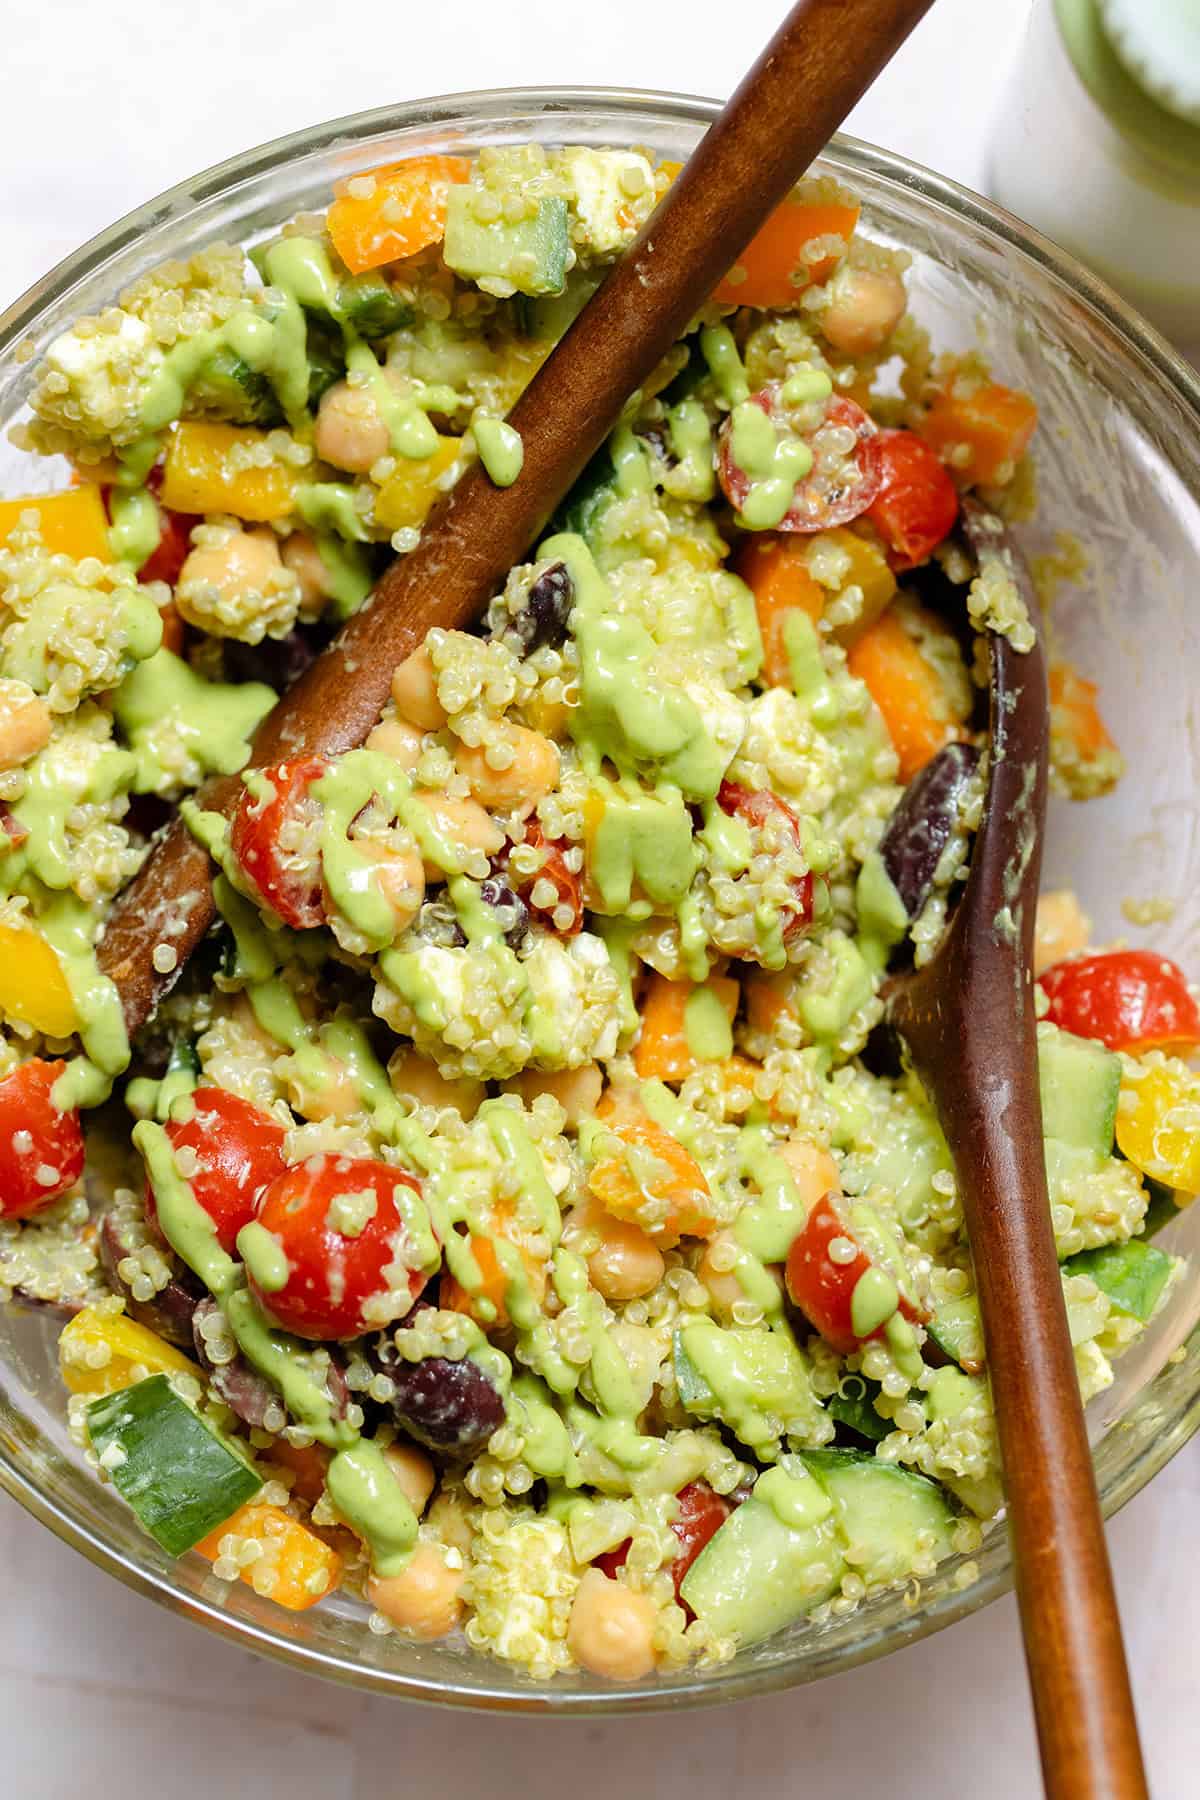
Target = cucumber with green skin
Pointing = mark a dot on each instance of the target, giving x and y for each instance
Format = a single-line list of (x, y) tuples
[(180, 1478), (957, 1330), (372, 307), (1133, 1275), (882, 1510), (530, 254), (588, 500), (856, 1410), (757, 1573)]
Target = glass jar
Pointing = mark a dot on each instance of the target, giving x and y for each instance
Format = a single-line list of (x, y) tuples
[(1098, 145)]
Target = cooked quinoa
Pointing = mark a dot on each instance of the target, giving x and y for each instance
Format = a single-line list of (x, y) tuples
[(511, 1217)]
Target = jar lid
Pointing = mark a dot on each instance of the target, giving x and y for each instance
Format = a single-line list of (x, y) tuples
[(1162, 37), (1158, 41)]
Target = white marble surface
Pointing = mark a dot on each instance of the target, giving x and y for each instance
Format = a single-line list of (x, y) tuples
[(102, 1693)]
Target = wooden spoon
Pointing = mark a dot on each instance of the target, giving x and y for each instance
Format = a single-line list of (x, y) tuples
[(968, 1020), (820, 62), (968, 1017)]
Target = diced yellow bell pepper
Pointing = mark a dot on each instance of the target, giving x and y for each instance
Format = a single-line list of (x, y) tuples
[(73, 523), (296, 1568), (869, 571), (207, 470), (100, 1352), (33, 988), (1158, 1121), (406, 498)]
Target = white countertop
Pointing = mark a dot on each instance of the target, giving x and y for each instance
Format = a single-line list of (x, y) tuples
[(105, 1696)]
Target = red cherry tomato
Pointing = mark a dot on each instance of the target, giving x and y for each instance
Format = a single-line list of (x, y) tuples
[(1130, 999), (756, 807), (844, 478), (41, 1148), (239, 1151), (917, 502), (822, 1284), (268, 841), (340, 1283), (567, 884), (174, 545), (700, 1516)]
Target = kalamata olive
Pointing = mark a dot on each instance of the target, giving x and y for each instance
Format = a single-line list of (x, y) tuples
[(548, 609), (277, 661), (919, 829), (244, 1391), (170, 1311), (449, 1406), (512, 912)]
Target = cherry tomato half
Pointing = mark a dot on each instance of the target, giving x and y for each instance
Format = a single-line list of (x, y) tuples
[(269, 841), (845, 474), (757, 806), (917, 502), (567, 884), (822, 1284), (174, 546), (700, 1516), (238, 1150), (41, 1148), (1130, 999), (347, 1246)]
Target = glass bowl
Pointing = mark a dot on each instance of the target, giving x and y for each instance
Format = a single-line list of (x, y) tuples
[(1119, 463)]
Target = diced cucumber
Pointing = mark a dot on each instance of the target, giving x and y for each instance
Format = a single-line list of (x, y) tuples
[(750, 1380), (957, 1330), (771, 1562), (547, 318), (1080, 1082), (326, 365), (882, 1511), (180, 1478), (525, 257), (228, 386), (372, 306), (1133, 1275), (588, 500), (853, 1406)]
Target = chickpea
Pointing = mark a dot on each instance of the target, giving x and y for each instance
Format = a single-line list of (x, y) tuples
[(415, 1474), (463, 824), (414, 690), (399, 740), (415, 1077), (244, 563), (350, 433), (812, 1169), (530, 775), (1062, 928), (865, 307), (24, 723), (301, 556), (400, 875), (611, 1629), (576, 1090), (627, 1263), (448, 1517), (717, 1271), (334, 1097), (423, 1600)]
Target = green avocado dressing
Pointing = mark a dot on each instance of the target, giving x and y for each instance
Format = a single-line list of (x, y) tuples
[(874, 1300), (642, 839), (328, 506), (882, 918), (67, 611), (720, 352), (691, 441), (369, 1498), (264, 1257), (212, 721), (500, 448), (706, 1026), (347, 570), (774, 461), (136, 526)]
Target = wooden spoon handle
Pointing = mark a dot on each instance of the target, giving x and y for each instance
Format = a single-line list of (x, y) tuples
[(820, 62), (972, 1033)]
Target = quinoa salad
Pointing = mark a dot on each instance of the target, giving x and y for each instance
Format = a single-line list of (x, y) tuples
[(516, 1218)]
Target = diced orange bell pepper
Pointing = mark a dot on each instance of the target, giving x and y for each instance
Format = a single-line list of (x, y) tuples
[(73, 523), (773, 269), (307, 1462), (296, 1568), (993, 423), (738, 1075), (905, 687), (653, 1181), (869, 571), (663, 1050), (387, 213), (1074, 711), (208, 469), (768, 998), (407, 497), (33, 988), (1158, 1122), (775, 571), (487, 1304)]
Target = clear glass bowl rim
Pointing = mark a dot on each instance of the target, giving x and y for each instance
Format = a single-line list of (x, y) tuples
[(1137, 338)]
